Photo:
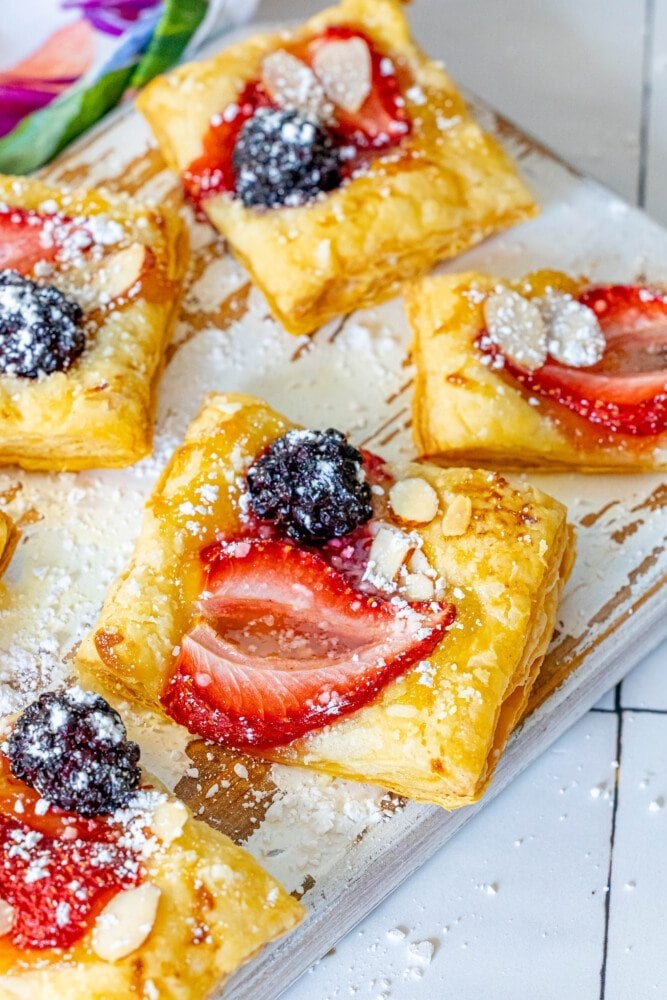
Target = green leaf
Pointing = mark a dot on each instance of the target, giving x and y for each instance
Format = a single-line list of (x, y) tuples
[(44, 133), (40, 136), (180, 20)]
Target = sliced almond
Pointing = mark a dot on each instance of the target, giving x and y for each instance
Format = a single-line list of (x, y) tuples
[(418, 563), (388, 553), (418, 587), (515, 324), (345, 70), (168, 821), (456, 518), (116, 276), (575, 336), (414, 500), (7, 917), (292, 84), (125, 922), (121, 271)]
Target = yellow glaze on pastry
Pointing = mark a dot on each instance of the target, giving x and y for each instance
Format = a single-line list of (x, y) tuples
[(432, 735), (448, 186), (465, 411), (217, 908), (99, 413)]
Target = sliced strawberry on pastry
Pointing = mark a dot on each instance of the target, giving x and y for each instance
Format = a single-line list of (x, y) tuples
[(23, 241), (382, 120), (76, 878), (286, 645), (28, 237), (627, 390)]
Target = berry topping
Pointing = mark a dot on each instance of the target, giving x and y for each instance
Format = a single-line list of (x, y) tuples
[(23, 241), (301, 647), (40, 328), (625, 390), (72, 747), (380, 121), (312, 484), (356, 107), (283, 157), (55, 886)]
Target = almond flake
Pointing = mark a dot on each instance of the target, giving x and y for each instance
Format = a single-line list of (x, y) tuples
[(418, 563), (116, 276), (515, 324), (125, 922), (7, 916), (575, 336), (344, 68), (388, 553), (417, 587), (121, 271), (292, 84), (456, 518), (414, 500), (168, 821)]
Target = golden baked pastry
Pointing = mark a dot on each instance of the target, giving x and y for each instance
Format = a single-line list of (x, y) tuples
[(9, 537), (429, 195), (490, 389), (124, 266), (427, 716), (143, 901)]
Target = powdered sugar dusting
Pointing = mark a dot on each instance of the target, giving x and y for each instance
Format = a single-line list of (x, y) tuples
[(310, 822)]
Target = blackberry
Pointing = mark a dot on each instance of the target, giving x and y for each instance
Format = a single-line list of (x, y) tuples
[(283, 157), (40, 328), (311, 483), (72, 747)]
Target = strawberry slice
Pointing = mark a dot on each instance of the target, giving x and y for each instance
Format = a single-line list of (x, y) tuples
[(286, 645), (382, 121), (28, 237), (625, 392), (56, 887), (22, 240)]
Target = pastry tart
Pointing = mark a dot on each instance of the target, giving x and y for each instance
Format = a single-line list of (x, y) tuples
[(108, 888), (295, 598), (548, 371), (336, 159), (89, 285)]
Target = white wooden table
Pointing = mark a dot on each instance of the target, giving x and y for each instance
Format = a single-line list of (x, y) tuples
[(557, 890)]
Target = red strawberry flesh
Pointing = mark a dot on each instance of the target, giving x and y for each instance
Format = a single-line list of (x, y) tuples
[(57, 869), (381, 122), (22, 242), (625, 392), (28, 237), (57, 886), (286, 646)]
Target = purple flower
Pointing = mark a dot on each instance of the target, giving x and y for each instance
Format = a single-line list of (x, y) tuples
[(111, 16)]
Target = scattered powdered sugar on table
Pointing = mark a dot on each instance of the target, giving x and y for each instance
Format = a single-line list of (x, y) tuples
[(311, 822)]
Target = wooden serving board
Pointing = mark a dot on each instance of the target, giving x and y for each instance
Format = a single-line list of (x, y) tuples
[(342, 847)]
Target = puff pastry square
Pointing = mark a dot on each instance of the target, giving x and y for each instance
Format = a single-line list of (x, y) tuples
[(445, 188), (466, 410), (435, 733), (216, 908), (98, 413)]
